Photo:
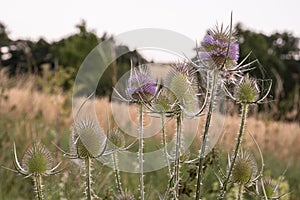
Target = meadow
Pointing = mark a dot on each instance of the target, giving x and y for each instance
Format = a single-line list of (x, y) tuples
[(29, 114)]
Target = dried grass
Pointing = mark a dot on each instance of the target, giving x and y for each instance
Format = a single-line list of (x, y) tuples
[(280, 138)]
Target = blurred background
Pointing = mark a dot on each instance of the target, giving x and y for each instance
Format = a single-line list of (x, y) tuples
[(43, 43)]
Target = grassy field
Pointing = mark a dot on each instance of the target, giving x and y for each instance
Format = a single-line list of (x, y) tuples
[(28, 115)]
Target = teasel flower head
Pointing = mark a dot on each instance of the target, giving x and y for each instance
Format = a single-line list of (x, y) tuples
[(245, 169), (37, 161), (141, 86), (221, 47), (250, 90), (88, 140), (166, 103), (116, 138), (219, 50), (266, 187), (179, 92), (125, 196)]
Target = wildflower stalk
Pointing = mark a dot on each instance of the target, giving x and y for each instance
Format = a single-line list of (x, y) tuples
[(38, 187), (88, 189), (240, 192), (117, 172), (205, 134), (140, 153), (177, 156), (236, 150), (164, 143)]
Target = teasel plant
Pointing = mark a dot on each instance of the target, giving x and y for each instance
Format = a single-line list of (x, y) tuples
[(88, 143), (118, 142), (244, 172), (248, 91), (217, 57), (177, 98), (37, 163), (141, 89), (267, 189), (165, 104)]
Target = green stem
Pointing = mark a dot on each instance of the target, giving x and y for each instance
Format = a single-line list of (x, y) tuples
[(164, 143), (38, 187), (240, 192), (236, 150), (140, 154), (117, 173), (177, 156), (205, 135), (88, 180)]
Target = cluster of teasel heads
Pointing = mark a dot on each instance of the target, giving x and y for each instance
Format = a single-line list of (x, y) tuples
[(181, 94)]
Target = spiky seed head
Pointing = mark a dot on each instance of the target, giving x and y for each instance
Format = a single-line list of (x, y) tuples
[(141, 86), (87, 139), (125, 196), (37, 160), (185, 156), (247, 90), (245, 169), (117, 138), (182, 82), (216, 43), (269, 187), (166, 102)]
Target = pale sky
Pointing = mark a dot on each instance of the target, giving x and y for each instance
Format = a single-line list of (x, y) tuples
[(32, 19)]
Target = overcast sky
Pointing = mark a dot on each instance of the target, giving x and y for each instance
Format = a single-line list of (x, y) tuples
[(32, 19)]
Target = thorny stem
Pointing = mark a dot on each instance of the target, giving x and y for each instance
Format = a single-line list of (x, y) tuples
[(140, 154), (38, 187), (88, 190), (177, 156), (117, 173), (205, 134), (164, 143), (240, 192), (236, 150)]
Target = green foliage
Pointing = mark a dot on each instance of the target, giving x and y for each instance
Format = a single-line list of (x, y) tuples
[(72, 50), (279, 54), (59, 61)]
